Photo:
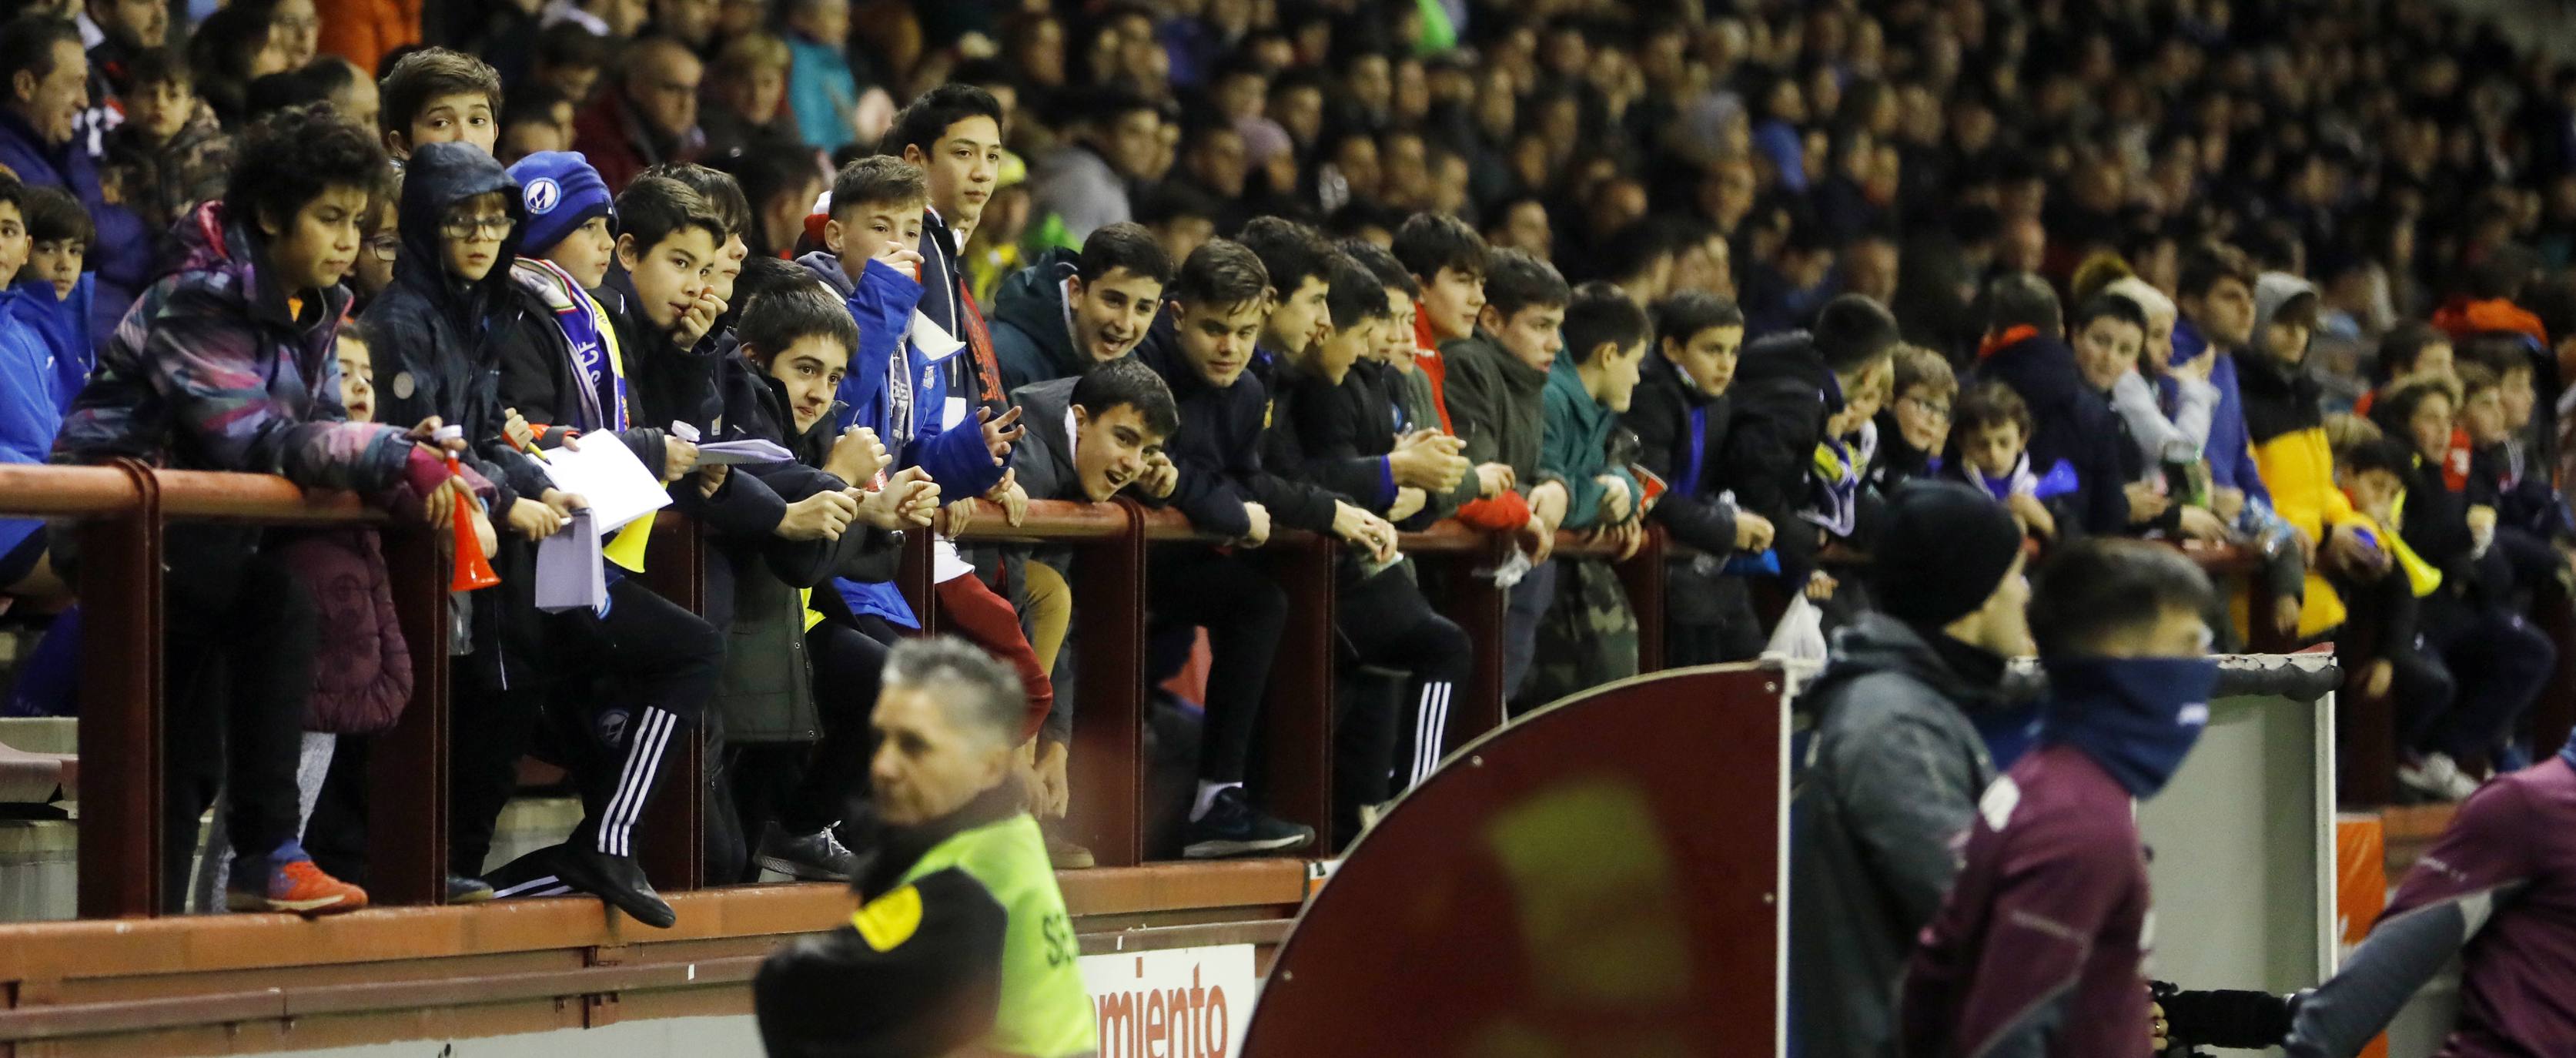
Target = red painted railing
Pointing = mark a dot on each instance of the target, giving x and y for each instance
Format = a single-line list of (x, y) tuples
[(121, 511)]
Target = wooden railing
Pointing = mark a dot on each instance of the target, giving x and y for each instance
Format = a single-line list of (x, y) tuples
[(123, 510)]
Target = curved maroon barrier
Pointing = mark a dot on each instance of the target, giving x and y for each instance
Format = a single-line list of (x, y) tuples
[(1602, 877)]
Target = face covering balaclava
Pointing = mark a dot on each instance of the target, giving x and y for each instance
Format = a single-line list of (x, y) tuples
[(2136, 717)]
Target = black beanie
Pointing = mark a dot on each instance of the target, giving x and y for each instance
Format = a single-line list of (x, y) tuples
[(1941, 550)]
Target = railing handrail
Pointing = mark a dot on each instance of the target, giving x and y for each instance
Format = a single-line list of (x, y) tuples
[(123, 509)]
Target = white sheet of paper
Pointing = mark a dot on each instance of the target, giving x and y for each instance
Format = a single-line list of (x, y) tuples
[(606, 473), (570, 574), (945, 563), (748, 450), (933, 340)]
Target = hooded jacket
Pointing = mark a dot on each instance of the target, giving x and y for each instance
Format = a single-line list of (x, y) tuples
[(894, 390), (2071, 423), (1782, 394), (213, 371), (1218, 447), (1030, 335), (1578, 446), (436, 352), (2285, 421), (1896, 766), (45, 358)]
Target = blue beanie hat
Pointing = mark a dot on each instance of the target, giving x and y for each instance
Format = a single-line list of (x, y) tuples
[(561, 192)]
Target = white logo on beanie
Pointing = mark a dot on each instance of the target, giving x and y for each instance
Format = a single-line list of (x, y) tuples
[(542, 195)]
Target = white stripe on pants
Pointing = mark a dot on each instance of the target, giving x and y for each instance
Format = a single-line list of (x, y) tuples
[(635, 782)]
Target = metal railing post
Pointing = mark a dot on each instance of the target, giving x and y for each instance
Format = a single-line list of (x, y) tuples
[(121, 691), (674, 853), (1297, 714), (1643, 577), (1109, 764), (408, 773)]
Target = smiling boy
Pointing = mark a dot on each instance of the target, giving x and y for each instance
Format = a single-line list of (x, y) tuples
[(1059, 317)]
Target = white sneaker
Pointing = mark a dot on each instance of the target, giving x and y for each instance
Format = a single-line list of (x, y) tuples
[(2438, 776)]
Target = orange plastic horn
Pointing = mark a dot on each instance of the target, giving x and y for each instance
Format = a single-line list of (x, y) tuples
[(473, 571)]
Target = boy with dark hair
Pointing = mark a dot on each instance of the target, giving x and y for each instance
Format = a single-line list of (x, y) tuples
[(189, 153), (1589, 635), (442, 325), (1914, 428), (1990, 437), (1787, 387), (779, 381), (1496, 402), (59, 233), (439, 96), (2215, 292), (897, 387), (1212, 319), (2072, 423), (1679, 415), (1180, 217), (2038, 947), (205, 374), (1393, 370), (45, 359), (1329, 426), (1069, 312), (661, 292)]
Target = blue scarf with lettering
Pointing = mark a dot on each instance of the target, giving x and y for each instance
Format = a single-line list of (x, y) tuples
[(2136, 717), (598, 368)]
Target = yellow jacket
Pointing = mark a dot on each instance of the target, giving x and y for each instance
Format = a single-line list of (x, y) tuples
[(2298, 468)]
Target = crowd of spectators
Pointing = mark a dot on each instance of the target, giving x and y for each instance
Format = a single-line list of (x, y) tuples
[(2291, 278)]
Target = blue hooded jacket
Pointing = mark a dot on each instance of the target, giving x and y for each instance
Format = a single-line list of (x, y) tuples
[(907, 420), (45, 358)]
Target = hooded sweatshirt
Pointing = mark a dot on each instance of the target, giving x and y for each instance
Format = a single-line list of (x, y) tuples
[(895, 390), (45, 358), (435, 353), (1032, 335), (2285, 421)]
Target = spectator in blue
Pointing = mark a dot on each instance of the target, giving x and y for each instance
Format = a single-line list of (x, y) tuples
[(44, 87)]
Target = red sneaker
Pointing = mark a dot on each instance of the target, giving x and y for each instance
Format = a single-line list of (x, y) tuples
[(290, 885)]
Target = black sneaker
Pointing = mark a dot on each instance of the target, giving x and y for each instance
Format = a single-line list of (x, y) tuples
[(815, 857), (616, 879), (1232, 827)]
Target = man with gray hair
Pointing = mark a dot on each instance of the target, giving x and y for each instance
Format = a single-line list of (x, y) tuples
[(961, 938)]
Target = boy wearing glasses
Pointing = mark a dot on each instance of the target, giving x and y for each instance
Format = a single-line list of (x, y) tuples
[(442, 322)]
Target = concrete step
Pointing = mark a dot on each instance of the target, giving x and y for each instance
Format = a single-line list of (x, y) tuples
[(41, 734)]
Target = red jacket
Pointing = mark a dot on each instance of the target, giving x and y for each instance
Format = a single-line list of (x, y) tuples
[(1505, 513)]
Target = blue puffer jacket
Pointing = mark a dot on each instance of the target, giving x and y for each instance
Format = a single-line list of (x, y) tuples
[(122, 251)]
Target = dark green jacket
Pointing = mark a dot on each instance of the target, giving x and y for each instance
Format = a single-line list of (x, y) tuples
[(1495, 405)]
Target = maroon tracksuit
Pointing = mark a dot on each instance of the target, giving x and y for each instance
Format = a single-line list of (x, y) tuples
[(2039, 948)]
